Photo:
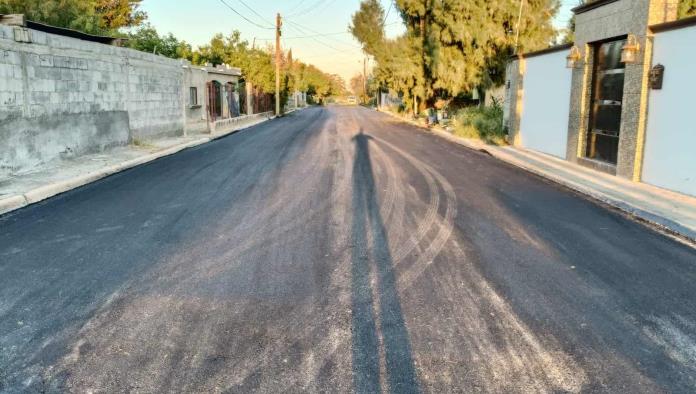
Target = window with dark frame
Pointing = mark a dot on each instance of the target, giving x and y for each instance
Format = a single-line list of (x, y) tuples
[(193, 96)]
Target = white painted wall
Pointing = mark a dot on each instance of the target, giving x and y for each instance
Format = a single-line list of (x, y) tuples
[(670, 145), (546, 104)]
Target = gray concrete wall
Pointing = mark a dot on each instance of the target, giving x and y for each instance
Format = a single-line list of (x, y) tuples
[(196, 118), (61, 96)]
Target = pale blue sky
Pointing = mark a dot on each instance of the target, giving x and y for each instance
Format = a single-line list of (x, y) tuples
[(197, 20)]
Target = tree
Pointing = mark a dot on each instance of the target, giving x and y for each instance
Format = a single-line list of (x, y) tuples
[(368, 26), (89, 16), (687, 8), (116, 14), (72, 14), (357, 85), (147, 39), (451, 47)]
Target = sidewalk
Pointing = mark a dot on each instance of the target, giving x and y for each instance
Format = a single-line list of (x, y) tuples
[(672, 212), (18, 190)]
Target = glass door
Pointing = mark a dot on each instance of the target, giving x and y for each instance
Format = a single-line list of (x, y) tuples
[(607, 100)]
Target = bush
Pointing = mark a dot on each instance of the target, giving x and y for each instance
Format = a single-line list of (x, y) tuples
[(484, 123)]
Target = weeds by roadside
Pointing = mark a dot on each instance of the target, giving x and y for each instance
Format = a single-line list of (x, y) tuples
[(141, 143), (484, 123)]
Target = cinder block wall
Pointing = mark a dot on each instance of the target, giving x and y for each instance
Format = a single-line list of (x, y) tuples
[(61, 97)]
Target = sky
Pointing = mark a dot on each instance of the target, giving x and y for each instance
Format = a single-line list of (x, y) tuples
[(334, 51)]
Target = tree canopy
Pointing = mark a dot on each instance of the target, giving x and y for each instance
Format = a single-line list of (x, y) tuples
[(89, 16), (687, 8), (258, 67), (451, 47)]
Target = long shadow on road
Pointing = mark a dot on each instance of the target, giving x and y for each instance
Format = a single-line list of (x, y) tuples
[(400, 372)]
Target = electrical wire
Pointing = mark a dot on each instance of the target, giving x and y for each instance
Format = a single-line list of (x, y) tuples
[(254, 11), (391, 5), (245, 18), (320, 34)]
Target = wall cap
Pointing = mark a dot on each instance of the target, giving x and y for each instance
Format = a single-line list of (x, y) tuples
[(555, 48), (678, 24), (591, 6)]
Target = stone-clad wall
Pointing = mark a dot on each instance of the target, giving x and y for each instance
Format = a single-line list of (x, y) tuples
[(62, 97), (608, 21)]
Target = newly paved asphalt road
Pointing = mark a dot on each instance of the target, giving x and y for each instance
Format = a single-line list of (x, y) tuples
[(337, 250)]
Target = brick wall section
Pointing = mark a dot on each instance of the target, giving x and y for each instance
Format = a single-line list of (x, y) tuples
[(62, 97)]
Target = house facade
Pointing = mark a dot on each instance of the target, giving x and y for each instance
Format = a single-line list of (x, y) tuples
[(615, 99), (211, 95)]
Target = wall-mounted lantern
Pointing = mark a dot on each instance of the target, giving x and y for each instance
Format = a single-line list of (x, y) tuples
[(573, 57), (629, 52), (657, 75)]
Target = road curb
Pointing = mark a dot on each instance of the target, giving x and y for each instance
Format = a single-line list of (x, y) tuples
[(657, 221), (9, 204), (45, 192)]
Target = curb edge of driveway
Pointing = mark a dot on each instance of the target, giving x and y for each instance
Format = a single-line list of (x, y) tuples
[(658, 222), (41, 193)]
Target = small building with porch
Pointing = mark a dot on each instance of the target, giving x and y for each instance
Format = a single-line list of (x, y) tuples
[(211, 94)]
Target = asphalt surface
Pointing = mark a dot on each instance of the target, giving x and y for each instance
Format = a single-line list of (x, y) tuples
[(338, 250)]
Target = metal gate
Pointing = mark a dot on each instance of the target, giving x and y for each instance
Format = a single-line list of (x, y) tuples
[(607, 102)]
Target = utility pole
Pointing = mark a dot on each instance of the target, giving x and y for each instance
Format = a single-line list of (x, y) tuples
[(365, 80), (517, 28), (279, 24)]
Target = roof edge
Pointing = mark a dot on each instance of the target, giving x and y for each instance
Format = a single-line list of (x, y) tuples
[(673, 25), (591, 6), (555, 48)]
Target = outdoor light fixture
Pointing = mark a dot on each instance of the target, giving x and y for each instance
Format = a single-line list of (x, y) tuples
[(629, 52), (574, 57)]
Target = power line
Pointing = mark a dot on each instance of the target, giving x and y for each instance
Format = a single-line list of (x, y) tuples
[(320, 9), (299, 29), (391, 5), (299, 3), (245, 18), (320, 34), (253, 10), (310, 8)]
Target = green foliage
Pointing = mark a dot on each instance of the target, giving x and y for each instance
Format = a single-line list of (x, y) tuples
[(484, 123), (115, 14), (368, 26), (89, 16), (687, 8), (451, 47), (147, 39), (569, 32), (258, 67)]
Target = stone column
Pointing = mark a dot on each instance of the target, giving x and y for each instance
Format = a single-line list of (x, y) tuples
[(605, 20), (250, 98)]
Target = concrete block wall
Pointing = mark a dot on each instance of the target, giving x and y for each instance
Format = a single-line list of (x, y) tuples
[(196, 117), (62, 97)]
